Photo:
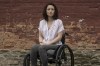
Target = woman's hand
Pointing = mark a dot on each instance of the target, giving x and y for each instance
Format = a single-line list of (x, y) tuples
[(45, 42), (48, 42), (42, 44)]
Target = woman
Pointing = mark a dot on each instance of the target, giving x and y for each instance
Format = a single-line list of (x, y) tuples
[(50, 33)]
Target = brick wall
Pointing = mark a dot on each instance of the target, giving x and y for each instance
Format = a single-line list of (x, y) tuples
[(19, 21)]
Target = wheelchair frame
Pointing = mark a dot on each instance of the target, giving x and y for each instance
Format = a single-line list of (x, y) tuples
[(59, 53)]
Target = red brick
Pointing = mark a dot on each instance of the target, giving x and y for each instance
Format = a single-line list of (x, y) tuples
[(78, 1), (29, 1), (77, 4), (74, 9), (5, 1)]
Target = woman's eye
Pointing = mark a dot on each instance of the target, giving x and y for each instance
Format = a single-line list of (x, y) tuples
[(50, 9)]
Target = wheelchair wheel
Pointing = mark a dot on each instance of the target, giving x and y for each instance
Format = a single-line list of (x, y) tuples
[(26, 60), (66, 57)]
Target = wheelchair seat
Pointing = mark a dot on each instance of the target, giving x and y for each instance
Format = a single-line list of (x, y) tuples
[(50, 53), (60, 56)]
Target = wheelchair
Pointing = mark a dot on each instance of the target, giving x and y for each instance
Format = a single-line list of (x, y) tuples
[(63, 56)]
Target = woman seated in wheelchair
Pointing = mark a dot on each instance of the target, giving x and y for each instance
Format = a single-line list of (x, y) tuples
[(50, 33)]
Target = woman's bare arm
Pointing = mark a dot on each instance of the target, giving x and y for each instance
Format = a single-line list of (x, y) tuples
[(40, 37), (56, 39)]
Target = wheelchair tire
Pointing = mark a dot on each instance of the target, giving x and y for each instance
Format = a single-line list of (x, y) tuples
[(66, 57)]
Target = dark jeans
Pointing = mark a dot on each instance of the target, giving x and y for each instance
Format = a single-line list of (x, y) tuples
[(42, 51)]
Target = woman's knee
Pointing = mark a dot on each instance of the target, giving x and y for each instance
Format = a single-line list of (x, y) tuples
[(35, 47), (41, 47)]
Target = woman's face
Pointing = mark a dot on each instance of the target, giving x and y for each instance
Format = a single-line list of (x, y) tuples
[(50, 10)]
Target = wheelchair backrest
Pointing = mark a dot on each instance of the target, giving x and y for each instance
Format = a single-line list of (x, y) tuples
[(63, 37)]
